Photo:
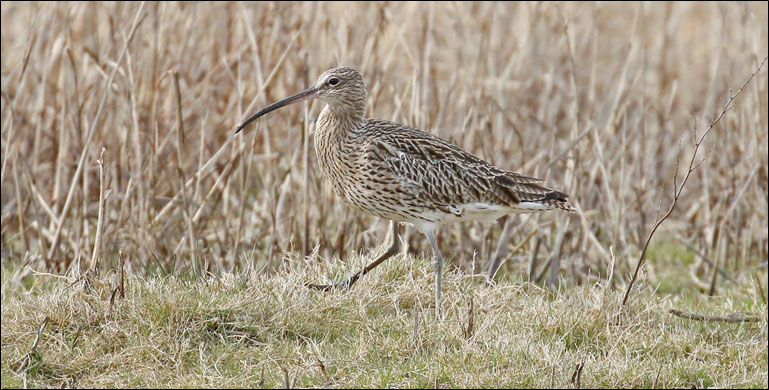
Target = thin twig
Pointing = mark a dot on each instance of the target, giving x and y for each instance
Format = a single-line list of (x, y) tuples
[(27, 358), (678, 190), (121, 286), (576, 377), (470, 319), (731, 318), (657, 377)]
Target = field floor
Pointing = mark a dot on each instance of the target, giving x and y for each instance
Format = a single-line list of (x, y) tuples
[(257, 330)]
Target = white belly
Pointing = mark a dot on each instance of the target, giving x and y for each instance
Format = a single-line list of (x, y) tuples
[(468, 212), (480, 212)]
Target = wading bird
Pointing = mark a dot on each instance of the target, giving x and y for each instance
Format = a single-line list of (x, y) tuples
[(404, 174)]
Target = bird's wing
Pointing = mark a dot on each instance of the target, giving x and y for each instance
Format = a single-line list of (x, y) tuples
[(439, 172)]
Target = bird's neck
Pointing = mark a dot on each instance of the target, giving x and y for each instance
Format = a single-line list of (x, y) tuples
[(337, 123), (334, 134)]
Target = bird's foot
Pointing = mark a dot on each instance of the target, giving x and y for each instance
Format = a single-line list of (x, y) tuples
[(326, 287)]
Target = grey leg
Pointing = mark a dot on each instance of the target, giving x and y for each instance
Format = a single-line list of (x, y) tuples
[(391, 251), (438, 266)]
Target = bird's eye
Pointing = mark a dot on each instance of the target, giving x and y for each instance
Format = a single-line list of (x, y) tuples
[(333, 81)]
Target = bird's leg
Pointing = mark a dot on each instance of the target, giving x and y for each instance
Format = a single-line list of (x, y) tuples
[(438, 265), (347, 283)]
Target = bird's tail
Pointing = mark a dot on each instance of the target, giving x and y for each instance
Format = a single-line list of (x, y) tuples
[(557, 200), (551, 201), (532, 195)]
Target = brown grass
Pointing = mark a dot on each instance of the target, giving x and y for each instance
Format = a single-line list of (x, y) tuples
[(593, 97)]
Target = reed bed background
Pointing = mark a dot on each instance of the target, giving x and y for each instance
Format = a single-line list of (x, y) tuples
[(600, 99)]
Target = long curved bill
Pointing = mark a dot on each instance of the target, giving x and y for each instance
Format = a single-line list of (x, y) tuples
[(304, 95)]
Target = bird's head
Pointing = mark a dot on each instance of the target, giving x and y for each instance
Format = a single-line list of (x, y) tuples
[(341, 88)]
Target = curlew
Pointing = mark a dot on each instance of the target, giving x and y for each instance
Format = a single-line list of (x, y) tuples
[(405, 174)]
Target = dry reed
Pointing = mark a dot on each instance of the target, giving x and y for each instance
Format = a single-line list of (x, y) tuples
[(594, 97)]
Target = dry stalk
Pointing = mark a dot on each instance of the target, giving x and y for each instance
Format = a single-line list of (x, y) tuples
[(532, 267), (27, 359), (501, 252), (415, 328), (246, 172), (733, 318), (468, 331), (576, 377), (100, 221), (759, 288), (19, 208), (180, 170)]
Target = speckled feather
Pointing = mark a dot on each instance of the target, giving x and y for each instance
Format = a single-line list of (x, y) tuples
[(405, 174)]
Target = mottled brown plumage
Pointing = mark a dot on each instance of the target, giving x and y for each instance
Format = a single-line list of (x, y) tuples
[(404, 174)]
